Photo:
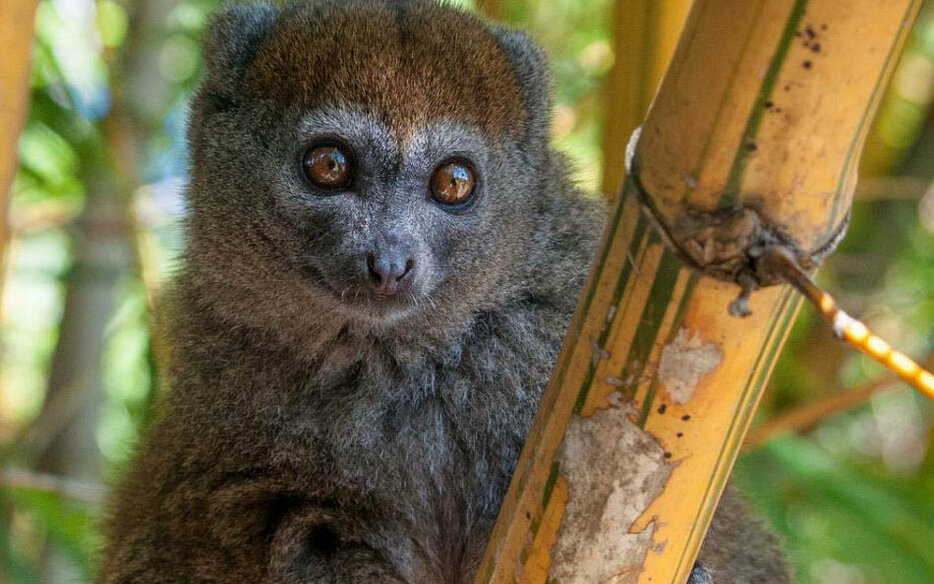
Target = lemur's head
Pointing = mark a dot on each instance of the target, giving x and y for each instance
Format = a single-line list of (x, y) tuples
[(373, 161)]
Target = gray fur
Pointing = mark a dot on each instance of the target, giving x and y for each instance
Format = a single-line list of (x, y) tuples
[(313, 432)]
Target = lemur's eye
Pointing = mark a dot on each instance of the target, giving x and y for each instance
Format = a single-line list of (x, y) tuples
[(328, 166), (453, 183)]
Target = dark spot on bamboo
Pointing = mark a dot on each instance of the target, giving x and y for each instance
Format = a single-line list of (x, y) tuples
[(662, 408), (686, 417), (787, 88), (815, 47), (806, 64), (768, 104), (810, 32), (528, 515), (751, 146), (680, 434), (667, 455), (823, 27)]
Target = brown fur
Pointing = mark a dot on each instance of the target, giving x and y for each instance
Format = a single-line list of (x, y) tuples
[(406, 64)]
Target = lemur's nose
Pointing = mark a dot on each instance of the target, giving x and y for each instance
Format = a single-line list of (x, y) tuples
[(390, 271)]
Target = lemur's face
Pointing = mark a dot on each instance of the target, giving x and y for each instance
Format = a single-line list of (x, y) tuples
[(386, 223), (386, 145)]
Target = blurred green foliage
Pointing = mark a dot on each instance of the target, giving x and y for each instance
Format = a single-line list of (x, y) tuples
[(853, 498)]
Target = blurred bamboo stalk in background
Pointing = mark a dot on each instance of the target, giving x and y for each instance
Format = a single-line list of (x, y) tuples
[(805, 417), (892, 188), (751, 143), (16, 30), (645, 33), (492, 9), (905, 104)]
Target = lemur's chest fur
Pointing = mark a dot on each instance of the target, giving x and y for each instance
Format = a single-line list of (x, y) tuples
[(420, 442), (392, 418)]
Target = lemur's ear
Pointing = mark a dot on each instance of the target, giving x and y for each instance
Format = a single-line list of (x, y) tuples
[(534, 74), (230, 42)]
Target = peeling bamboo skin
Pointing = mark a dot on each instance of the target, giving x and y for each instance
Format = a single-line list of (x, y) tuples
[(641, 312), (656, 385)]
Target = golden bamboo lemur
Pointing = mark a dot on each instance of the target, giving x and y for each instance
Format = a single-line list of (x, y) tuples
[(384, 254)]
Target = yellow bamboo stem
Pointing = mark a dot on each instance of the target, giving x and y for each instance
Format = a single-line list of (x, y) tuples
[(16, 32), (752, 140), (645, 33)]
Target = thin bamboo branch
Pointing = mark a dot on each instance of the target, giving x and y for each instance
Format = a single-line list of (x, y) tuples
[(751, 141), (852, 331)]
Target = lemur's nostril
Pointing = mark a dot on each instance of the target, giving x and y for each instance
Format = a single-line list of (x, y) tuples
[(375, 276), (389, 272), (408, 268)]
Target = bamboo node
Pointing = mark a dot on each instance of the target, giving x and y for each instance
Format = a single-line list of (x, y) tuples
[(741, 246), (728, 243), (725, 243)]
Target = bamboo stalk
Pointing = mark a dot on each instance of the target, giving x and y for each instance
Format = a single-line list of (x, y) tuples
[(492, 9), (16, 30), (808, 415), (752, 140), (892, 135), (645, 33)]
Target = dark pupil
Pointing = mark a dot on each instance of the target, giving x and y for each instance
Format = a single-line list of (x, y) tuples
[(327, 166), (333, 161)]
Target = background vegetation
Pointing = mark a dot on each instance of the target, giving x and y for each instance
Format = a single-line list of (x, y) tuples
[(94, 220)]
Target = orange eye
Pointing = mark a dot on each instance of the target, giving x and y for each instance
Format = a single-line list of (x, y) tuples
[(453, 183), (327, 166)]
